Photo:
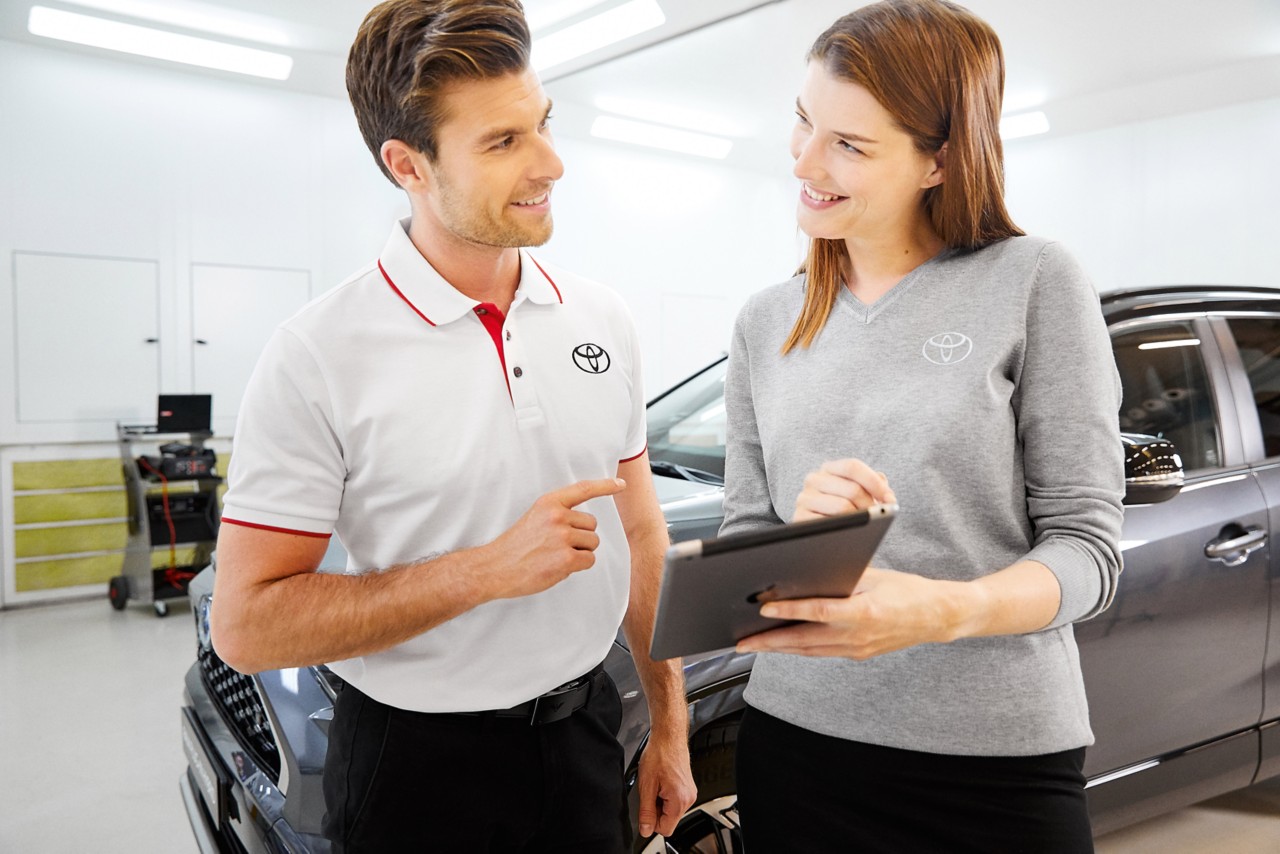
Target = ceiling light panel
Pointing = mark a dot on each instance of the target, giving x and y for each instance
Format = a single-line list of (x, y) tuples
[(548, 13), (191, 16), (657, 136), (584, 37), (157, 44), (676, 115), (1024, 124)]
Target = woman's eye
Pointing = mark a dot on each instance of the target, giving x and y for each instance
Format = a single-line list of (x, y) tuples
[(847, 147), (801, 119)]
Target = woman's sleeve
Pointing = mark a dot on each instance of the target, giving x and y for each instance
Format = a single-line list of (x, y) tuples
[(747, 502), (1067, 406)]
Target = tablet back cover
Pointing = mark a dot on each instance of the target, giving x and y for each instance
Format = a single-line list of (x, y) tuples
[(711, 599)]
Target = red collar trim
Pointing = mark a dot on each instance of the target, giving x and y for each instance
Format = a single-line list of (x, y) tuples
[(548, 278), (411, 305)]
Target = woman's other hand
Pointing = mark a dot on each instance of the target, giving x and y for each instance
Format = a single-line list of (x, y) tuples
[(888, 611), (841, 486), (892, 610)]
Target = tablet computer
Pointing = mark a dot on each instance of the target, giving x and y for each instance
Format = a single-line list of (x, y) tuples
[(712, 589)]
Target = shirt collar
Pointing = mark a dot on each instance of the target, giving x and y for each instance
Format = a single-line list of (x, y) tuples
[(431, 296)]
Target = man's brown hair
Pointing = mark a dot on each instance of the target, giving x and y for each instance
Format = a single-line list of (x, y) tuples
[(938, 69), (408, 51)]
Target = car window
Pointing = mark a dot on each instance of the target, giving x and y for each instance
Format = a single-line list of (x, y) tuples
[(687, 424), (1258, 340), (1166, 390)]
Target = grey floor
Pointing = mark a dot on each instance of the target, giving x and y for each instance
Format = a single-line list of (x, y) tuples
[(90, 756)]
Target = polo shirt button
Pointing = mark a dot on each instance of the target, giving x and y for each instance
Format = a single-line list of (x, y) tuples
[(482, 311), (519, 373), (508, 334)]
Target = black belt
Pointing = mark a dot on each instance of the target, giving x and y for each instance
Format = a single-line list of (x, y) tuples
[(557, 704)]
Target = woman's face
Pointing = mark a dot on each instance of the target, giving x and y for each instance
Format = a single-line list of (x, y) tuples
[(862, 177)]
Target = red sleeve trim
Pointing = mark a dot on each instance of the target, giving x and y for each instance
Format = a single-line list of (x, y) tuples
[(403, 297), (275, 529), (637, 456), (548, 278)]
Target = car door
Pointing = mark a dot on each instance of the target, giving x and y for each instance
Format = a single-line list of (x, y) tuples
[(1250, 343), (1176, 661)]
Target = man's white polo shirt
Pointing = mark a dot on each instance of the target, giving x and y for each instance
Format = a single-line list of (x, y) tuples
[(413, 421)]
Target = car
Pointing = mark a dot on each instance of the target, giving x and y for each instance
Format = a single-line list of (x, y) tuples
[(1182, 671)]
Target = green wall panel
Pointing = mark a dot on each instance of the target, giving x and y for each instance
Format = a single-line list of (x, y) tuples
[(36, 542), (52, 574), (55, 506), (72, 572), (67, 474), (69, 506)]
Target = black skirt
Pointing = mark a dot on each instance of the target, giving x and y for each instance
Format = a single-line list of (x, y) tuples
[(799, 791)]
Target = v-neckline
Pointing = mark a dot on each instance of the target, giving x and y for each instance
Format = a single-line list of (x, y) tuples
[(867, 312)]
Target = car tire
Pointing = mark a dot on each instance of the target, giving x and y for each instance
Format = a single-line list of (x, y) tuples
[(711, 824)]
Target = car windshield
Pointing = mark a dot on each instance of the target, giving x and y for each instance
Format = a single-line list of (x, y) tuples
[(687, 427)]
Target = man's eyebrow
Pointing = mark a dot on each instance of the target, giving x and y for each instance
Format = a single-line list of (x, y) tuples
[(850, 136), (503, 133)]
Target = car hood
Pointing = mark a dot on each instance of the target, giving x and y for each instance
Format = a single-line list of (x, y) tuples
[(685, 500)]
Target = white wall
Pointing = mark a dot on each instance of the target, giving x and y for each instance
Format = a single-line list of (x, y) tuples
[(685, 241), (1184, 199), (119, 160), (122, 160)]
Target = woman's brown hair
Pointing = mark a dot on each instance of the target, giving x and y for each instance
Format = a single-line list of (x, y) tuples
[(938, 69)]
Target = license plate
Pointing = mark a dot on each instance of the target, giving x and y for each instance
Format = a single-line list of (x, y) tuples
[(204, 769)]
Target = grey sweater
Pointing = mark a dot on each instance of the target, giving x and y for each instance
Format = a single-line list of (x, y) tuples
[(983, 385)]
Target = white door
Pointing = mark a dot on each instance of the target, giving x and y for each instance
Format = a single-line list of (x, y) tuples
[(234, 312), (87, 339)]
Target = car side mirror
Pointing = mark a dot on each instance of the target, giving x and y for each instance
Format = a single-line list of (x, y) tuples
[(1152, 469)]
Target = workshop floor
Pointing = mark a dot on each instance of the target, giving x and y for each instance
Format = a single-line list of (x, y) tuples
[(90, 752)]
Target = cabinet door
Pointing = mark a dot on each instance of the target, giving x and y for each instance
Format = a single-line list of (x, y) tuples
[(87, 333), (234, 312)]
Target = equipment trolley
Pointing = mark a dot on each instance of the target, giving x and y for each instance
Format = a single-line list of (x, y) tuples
[(173, 506)]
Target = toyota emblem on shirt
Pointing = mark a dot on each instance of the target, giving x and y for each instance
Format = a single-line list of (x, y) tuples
[(591, 358), (947, 348)]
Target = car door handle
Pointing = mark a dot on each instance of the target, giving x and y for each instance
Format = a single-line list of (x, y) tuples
[(1235, 550)]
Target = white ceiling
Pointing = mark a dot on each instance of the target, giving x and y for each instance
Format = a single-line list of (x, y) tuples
[(736, 63)]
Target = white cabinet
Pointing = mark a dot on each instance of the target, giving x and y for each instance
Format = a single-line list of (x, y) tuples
[(93, 346), (86, 335), (234, 310)]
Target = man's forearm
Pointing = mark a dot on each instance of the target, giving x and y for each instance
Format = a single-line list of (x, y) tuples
[(314, 617), (663, 681)]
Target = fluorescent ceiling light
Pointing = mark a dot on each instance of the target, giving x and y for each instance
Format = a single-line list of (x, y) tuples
[(656, 136), (157, 44), (1024, 124), (671, 114), (187, 17), (575, 40), (542, 15), (1163, 345)]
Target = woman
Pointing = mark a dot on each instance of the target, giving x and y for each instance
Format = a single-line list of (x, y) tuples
[(925, 344)]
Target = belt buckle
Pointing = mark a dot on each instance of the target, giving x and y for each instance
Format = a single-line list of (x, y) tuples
[(559, 703)]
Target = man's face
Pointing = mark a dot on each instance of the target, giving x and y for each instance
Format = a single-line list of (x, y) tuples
[(495, 165)]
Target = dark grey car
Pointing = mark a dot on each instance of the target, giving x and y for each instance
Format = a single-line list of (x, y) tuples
[(1177, 669)]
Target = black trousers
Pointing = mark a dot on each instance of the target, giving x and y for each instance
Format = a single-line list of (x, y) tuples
[(398, 781), (802, 792)]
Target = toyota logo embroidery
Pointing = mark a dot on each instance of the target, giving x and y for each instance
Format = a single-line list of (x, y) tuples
[(591, 358), (947, 348)]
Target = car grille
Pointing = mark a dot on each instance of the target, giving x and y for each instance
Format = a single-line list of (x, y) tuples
[(241, 707)]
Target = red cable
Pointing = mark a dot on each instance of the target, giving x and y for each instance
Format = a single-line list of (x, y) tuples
[(171, 574)]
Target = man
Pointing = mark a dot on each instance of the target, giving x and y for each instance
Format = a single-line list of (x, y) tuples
[(471, 424)]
